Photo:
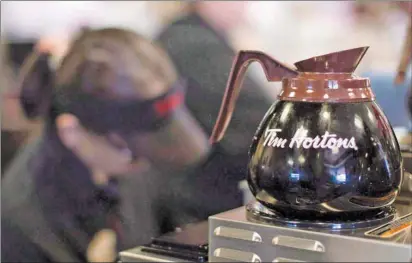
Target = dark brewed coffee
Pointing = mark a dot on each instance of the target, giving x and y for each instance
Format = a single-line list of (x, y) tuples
[(325, 157)]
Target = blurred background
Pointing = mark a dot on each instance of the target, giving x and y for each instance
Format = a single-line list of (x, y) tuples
[(289, 31)]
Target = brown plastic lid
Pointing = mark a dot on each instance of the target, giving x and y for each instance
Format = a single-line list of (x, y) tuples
[(328, 78), (345, 61)]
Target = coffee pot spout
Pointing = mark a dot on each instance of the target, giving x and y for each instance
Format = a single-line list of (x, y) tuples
[(345, 61), (274, 71)]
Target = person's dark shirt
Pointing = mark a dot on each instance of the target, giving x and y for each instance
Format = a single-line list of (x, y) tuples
[(202, 56), (205, 190), (16, 247), (48, 180), (11, 141)]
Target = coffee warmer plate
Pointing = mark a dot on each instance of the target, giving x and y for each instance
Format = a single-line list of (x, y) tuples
[(256, 234)]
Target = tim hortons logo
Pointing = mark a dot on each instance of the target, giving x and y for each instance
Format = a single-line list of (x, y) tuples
[(300, 139)]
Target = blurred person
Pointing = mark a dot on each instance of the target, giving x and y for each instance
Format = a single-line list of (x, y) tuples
[(402, 74), (197, 36), (16, 129), (406, 54), (15, 126), (113, 107)]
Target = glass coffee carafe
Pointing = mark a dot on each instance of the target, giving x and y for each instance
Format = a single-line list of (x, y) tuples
[(324, 148)]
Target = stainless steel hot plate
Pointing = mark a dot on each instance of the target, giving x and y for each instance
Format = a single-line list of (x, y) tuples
[(256, 212)]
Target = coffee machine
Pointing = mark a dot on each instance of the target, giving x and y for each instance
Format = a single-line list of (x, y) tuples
[(325, 169)]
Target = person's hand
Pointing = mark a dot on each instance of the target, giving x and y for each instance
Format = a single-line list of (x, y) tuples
[(102, 248), (96, 152)]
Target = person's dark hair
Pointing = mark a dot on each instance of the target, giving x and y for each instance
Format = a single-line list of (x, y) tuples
[(111, 63), (35, 80)]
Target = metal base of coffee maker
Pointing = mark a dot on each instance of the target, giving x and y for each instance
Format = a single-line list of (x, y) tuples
[(137, 255), (257, 234), (406, 189)]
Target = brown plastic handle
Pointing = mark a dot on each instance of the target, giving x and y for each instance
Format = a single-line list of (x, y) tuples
[(274, 71)]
